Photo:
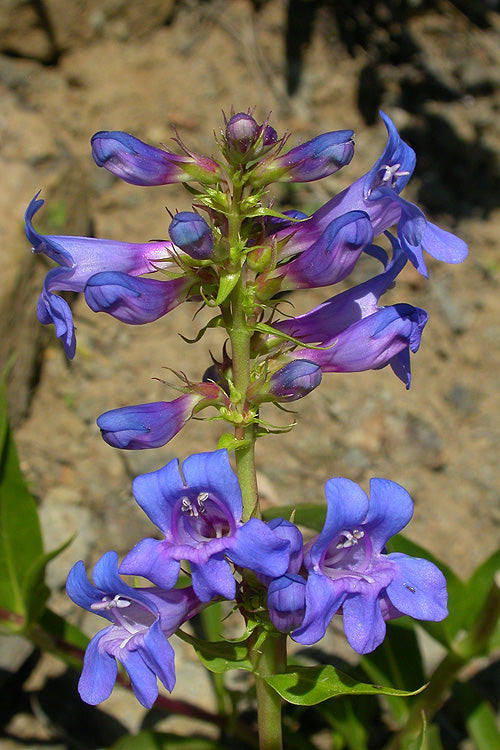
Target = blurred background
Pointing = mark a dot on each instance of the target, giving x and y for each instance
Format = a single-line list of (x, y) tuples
[(71, 67)]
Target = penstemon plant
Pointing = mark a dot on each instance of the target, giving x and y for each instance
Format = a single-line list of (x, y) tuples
[(237, 254)]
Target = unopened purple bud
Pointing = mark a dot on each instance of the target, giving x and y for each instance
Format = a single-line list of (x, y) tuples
[(140, 164), (146, 425), (241, 132), (295, 380), (286, 602), (313, 160), (191, 233)]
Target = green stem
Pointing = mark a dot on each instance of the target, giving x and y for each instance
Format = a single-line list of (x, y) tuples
[(269, 659)]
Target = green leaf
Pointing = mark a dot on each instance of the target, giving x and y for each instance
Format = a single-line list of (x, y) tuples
[(54, 634), (417, 743), (311, 516), (350, 719), (398, 663), (230, 443), (227, 282), (219, 656), (307, 686), (163, 741), (477, 589), (479, 717), (35, 592), (20, 536)]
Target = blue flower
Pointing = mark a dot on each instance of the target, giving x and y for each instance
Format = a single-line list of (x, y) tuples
[(354, 332), (141, 620), (80, 259), (377, 194), (349, 569), (199, 515)]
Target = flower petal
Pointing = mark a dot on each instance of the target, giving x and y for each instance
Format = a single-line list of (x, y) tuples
[(157, 492), (149, 558), (418, 588), (390, 510), (159, 655), (323, 599), (364, 625), (212, 472), (213, 578), (142, 678), (98, 672), (133, 300), (256, 547)]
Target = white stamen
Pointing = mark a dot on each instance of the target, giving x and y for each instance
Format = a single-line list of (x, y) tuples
[(202, 497), (107, 603), (350, 538)]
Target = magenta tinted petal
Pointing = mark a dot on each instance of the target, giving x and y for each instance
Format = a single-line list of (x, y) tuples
[(418, 588)]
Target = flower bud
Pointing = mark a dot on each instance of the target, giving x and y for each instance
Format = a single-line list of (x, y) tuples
[(313, 160), (241, 132), (295, 380), (286, 602), (140, 164), (191, 233)]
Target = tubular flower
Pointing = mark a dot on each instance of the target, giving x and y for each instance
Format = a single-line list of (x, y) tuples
[(200, 518), (140, 164), (354, 333), (134, 300), (377, 194), (333, 256), (141, 620), (79, 259), (191, 233), (147, 425), (348, 568), (313, 160)]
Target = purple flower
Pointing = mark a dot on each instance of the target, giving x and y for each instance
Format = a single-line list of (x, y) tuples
[(333, 256), (355, 333), (377, 194), (147, 425), (313, 160), (141, 620), (294, 380), (245, 139), (139, 164), (79, 259), (191, 233), (348, 567), (134, 300), (199, 515)]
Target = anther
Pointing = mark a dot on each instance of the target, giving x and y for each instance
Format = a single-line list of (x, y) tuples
[(202, 497), (107, 603)]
